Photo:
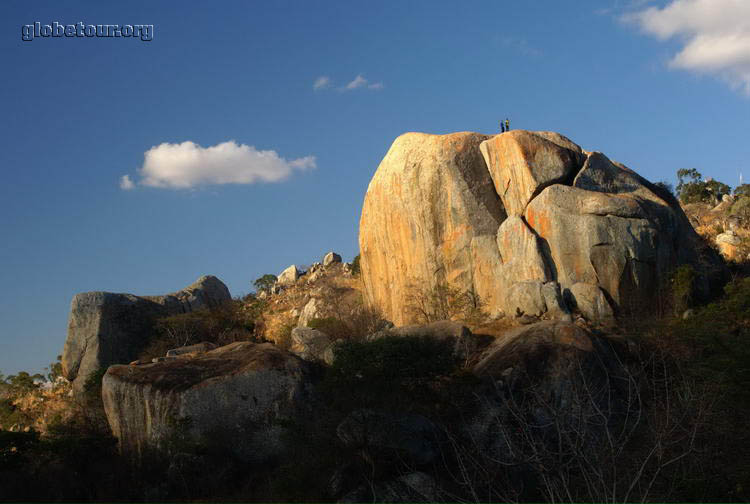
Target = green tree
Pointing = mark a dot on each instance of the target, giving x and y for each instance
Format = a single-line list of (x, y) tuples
[(54, 370), (742, 190), (693, 189), (265, 282), (23, 381)]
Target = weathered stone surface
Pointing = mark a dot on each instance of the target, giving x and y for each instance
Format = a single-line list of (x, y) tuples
[(206, 292), (289, 276), (522, 163), (433, 215), (106, 328), (313, 309), (430, 215), (331, 258), (624, 244), (535, 298), (729, 244), (310, 344), (235, 396), (591, 302), (197, 348), (520, 252), (525, 298)]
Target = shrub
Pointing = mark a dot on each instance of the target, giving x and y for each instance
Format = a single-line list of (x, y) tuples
[(387, 370), (445, 302), (355, 266), (220, 325)]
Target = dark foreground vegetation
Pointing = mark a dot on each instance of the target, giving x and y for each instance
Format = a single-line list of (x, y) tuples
[(671, 425)]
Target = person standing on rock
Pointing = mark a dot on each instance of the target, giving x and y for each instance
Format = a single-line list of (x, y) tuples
[(502, 126), (507, 124)]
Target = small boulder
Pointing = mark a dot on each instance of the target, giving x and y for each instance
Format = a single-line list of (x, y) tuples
[(289, 276), (729, 244), (310, 344), (313, 309), (331, 258)]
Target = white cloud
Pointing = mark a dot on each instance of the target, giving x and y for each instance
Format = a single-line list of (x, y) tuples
[(322, 82), (187, 165), (360, 82), (715, 36), (126, 184)]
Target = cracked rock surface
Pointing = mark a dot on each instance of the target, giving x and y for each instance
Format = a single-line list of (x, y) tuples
[(493, 214)]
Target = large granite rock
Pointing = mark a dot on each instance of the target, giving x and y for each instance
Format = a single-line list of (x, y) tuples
[(435, 213), (106, 328), (235, 397), (431, 214)]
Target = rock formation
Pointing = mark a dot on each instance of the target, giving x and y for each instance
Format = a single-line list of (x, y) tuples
[(504, 216), (235, 396), (106, 328)]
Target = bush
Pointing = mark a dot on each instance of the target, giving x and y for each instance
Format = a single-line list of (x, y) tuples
[(355, 266), (388, 370), (445, 302), (220, 325)]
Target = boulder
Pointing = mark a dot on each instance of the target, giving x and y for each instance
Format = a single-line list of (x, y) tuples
[(289, 276), (235, 397), (591, 302), (430, 215), (331, 258), (625, 244), (522, 163), (549, 377), (435, 214), (729, 244), (311, 344), (106, 328), (313, 309)]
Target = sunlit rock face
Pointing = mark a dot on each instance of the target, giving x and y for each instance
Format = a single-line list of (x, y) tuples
[(495, 215)]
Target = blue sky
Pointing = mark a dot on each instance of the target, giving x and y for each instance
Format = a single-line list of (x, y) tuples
[(80, 113)]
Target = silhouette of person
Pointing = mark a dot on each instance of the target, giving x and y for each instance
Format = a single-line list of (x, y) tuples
[(502, 126)]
